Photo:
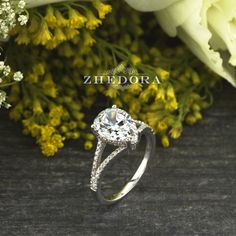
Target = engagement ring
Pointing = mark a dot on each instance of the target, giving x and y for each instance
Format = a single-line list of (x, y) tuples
[(116, 127)]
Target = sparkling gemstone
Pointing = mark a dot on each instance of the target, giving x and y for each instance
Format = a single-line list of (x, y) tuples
[(116, 125)]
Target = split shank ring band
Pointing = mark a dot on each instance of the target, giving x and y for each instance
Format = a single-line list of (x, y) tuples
[(116, 127)]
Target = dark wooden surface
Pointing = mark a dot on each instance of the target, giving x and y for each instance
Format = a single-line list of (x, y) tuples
[(188, 189)]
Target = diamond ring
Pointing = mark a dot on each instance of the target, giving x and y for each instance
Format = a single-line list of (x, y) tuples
[(116, 127)]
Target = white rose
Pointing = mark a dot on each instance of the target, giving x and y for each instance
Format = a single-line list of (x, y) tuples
[(38, 3), (208, 27)]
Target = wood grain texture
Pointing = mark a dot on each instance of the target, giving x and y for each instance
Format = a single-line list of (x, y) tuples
[(188, 189)]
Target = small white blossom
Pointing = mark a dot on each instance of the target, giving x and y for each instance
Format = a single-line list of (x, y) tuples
[(7, 105), (10, 13), (21, 4), (6, 70), (22, 19), (18, 76)]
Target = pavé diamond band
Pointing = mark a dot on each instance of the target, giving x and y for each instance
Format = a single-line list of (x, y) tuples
[(116, 127)]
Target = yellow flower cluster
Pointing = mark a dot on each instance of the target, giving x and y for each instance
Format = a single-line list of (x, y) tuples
[(182, 92), (47, 137), (54, 104), (49, 102), (53, 26), (51, 113)]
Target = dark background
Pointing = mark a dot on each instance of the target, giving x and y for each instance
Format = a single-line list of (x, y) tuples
[(188, 189)]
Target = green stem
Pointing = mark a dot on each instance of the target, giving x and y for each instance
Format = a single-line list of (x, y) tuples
[(8, 84)]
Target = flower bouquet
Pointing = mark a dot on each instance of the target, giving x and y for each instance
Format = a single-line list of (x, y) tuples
[(60, 58)]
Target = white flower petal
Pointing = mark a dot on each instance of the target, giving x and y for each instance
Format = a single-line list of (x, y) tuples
[(200, 47), (208, 27), (37, 3), (150, 5), (196, 35), (175, 15), (224, 25)]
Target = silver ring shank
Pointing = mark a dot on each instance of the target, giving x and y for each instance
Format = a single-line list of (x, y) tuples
[(149, 151)]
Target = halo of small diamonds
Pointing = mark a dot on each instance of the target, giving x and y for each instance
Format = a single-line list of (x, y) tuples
[(115, 126)]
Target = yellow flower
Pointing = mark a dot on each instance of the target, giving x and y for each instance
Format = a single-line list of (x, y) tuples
[(50, 17), (63, 129), (135, 60), (160, 95), (175, 133), (190, 119), (55, 122), (103, 9), (35, 130), (61, 21), (74, 135), (23, 37), (89, 137), (37, 108), (49, 86), (70, 33), (59, 35), (32, 78), (163, 74), (82, 124), (196, 107), (171, 105), (66, 50), (144, 96), (48, 149), (161, 126), (88, 39), (43, 35), (135, 88), (55, 115), (195, 78), (112, 91), (56, 111), (197, 115), (153, 89), (57, 140), (78, 115), (88, 145), (170, 92), (39, 69), (165, 141), (76, 20), (51, 44), (92, 21), (46, 132), (72, 125), (151, 118)]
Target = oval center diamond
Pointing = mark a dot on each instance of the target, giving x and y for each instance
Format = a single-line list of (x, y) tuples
[(114, 124)]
